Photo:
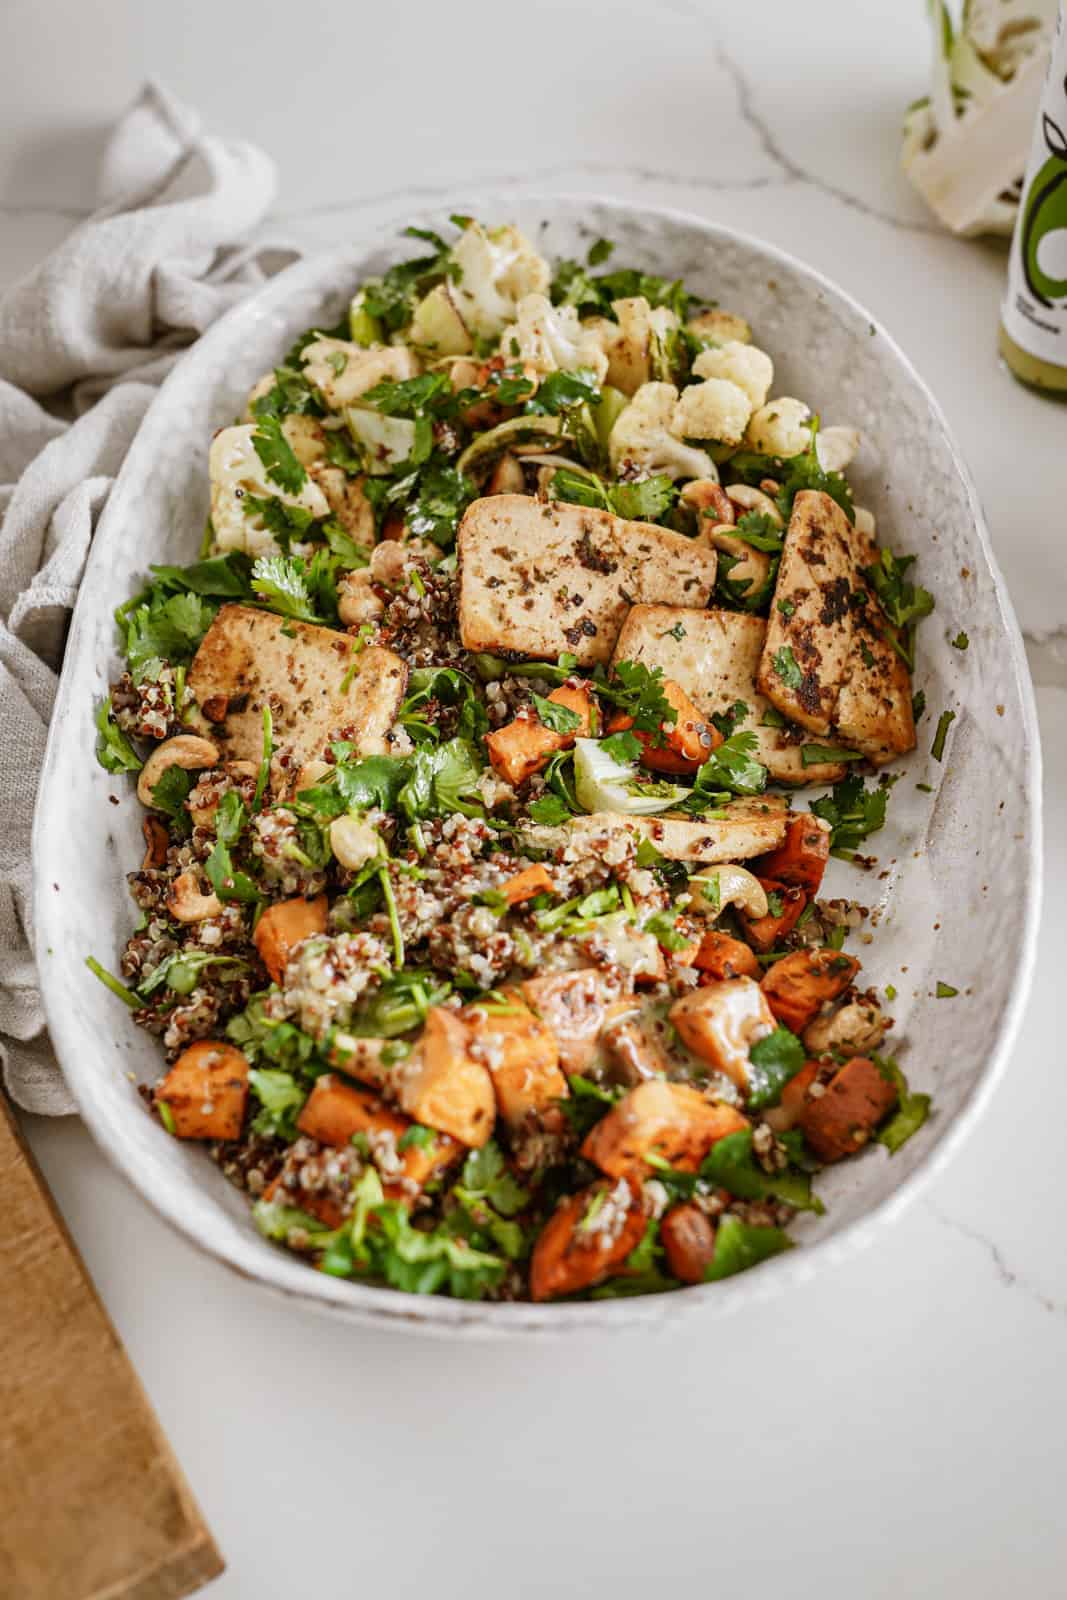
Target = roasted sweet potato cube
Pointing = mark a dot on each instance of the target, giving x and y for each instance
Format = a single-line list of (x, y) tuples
[(586, 1240), (720, 956), (521, 748), (801, 858), (765, 932), (669, 1120), (798, 985), (786, 1113), (521, 1054), (721, 1021), (285, 925), (527, 883), (335, 1111), (575, 1005), (203, 1096), (688, 1241), (635, 1054), (680, 746), (840, 1121), (442, 1085)]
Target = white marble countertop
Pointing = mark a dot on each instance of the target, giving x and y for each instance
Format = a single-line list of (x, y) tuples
[(895, 1427)]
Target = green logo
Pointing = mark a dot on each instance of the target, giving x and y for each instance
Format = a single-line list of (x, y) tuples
[(1044, 230)]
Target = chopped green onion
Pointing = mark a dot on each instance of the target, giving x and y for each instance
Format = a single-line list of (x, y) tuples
[(944, 722), (264, 766)]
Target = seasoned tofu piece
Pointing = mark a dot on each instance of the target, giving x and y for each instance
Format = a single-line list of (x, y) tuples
[(827, 660), (442, 1085), (318, 687), (670, 1120), (721, 1021), (744, 828), (714, 656), (538, 579)]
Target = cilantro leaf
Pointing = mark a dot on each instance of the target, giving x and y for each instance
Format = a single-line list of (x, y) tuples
[(486, 1176), (169, 628), (277, 455), (773, 1060), (903, 603), (646, 501), (557, 718), (759, 529), (114, 751), (550, 811), (642, 696), (731, 1165), (563, 391), (739, 1246), (912, 1109), (281, 1101), (622, 747), (733, 767), (171, 793), (806, 472), (812, 755), (853, 811), (281, 582), (785, 665)]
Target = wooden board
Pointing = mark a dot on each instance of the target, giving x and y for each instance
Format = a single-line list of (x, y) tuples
[(93, 1504)]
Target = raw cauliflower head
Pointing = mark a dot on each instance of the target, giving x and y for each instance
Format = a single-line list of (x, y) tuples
[(342, 372), (496, 269), (780, 428), (751, 369), (552, 339), (642, 441), (237, 472), (715, 409)]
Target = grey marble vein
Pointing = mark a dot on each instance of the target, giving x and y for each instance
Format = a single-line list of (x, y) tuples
[(1008, 1276)]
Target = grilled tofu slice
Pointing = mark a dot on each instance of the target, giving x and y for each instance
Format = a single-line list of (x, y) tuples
[(713, 656), (249, 659), (827, 661), (537, 579), (745, 828)]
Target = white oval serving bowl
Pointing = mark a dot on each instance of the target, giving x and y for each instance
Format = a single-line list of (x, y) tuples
[(959, 897)]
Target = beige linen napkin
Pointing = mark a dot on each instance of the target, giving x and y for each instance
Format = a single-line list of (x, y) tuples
[(85, 340)]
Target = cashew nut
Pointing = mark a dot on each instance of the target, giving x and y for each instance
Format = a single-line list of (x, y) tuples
[(853, 1029), (354, 843), (864, 522), (753, 565), (186, 903), (736, 886), (186, 750), (705, 495), (836, 447), (750, 499), (311, 773), (356, 600), (506, 477)]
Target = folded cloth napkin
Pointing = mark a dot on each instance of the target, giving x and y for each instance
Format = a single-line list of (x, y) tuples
[(85, 340)]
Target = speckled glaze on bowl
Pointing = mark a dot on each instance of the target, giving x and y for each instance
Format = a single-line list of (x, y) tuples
[(963, 862)]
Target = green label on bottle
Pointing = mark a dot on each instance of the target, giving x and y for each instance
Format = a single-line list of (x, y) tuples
[(1035, 307)]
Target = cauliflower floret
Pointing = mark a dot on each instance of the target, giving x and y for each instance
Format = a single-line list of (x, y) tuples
[(751, 369), (836, 447), (723, 327), (551, 339), (715, 409), (237, 472), (642, 442), (780, 428), (305, 437), (637, 351), (342, 371), (496, 269)]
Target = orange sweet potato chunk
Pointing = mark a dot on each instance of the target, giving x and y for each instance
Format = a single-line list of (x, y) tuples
[(335, 1111), (441, 1084), (205, 1091), (721, 1021), (801, 858), (573, 1253), (521, 748), (721, 956), (681, 746), (670, 1120), (799, 985), (764, 933), (840, 1121), (527, 883), (521, 1054), (575, 1005), (285, 925)]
